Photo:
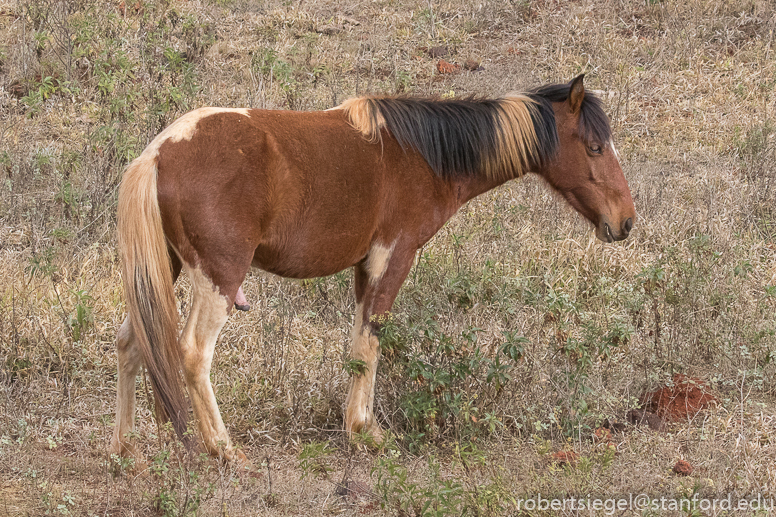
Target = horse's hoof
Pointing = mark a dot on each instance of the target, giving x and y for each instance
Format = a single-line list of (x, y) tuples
[(141, 470), (377, 435), (240, 460), (244, 467), (138, 467), (371, 435)]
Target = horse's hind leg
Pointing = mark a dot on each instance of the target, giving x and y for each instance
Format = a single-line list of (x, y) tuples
[(129, 362), (209, 312)]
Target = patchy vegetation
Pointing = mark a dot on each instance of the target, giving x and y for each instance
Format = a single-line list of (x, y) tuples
[(518, 344)]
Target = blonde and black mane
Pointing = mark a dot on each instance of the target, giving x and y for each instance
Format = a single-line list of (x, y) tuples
[(501, 138)]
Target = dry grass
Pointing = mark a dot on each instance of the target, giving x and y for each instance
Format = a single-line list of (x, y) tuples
[(689, 87)]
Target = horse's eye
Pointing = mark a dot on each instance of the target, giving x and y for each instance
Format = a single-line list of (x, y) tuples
[(595, 149)]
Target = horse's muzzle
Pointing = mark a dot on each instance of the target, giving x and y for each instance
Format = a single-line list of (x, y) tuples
[(606, 233)]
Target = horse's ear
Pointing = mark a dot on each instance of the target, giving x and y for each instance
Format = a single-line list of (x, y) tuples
[(576, 94)]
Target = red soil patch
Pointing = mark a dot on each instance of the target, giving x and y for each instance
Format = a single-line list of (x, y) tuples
[(681, 401), (565, 457), (602, 435), (443, 67), (683, 468)]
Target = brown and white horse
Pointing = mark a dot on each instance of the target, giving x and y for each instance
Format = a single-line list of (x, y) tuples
[(308, 194)]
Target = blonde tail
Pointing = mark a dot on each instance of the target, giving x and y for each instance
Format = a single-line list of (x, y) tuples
[(148, 285)]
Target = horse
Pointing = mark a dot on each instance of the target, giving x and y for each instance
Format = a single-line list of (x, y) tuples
[(307, 194)]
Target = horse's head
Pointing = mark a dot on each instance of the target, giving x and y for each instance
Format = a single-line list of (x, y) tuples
[(586, 170)]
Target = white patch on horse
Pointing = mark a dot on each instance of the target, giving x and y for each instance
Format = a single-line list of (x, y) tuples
[(377, 261), (360, 338), (184, 127), (614, 149), (359, 411), (209, 311)]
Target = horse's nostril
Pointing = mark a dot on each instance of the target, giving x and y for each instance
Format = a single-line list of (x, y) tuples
[(627, 225)]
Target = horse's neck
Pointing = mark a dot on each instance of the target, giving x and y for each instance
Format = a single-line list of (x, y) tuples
[(469, 188)]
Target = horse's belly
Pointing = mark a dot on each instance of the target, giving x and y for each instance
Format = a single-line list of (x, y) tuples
[(309, 258)]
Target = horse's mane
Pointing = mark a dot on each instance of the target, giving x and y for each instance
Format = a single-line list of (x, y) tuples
[(501, 138), (594, 125)]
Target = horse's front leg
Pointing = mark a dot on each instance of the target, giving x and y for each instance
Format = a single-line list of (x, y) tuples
[(377, 281)]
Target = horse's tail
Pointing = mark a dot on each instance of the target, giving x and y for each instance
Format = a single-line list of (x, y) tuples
[(148, 284)]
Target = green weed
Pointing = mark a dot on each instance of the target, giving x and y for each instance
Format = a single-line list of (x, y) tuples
[(81, 318), (45, 89), (453, 382), (315, 458), (355, 367)]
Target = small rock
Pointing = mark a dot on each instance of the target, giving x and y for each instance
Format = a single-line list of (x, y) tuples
[(17, 89), (348, 19), (328, 30), (354, 490), (565, 457), (472, 65), (443, 67), (437, 52), (639, 416), (682, 468), (616, 427)]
